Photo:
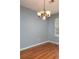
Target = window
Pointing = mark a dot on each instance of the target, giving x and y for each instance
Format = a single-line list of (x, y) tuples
[(57, 27)]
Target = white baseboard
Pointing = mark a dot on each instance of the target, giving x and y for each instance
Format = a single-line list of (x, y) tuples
[(54, 42), (38, 44), (33, 45)]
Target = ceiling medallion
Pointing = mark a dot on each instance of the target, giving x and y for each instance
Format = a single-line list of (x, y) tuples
[(44, 14)]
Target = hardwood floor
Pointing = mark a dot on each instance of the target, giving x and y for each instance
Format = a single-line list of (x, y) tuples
[(44, 51)]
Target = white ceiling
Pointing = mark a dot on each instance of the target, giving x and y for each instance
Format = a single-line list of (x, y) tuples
[(37, 5)]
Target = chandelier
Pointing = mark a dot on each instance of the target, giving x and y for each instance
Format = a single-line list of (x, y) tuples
[(44, 14)]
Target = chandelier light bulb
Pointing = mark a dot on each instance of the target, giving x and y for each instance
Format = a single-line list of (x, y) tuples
[(39, 14), (48, 13), (44, 17)]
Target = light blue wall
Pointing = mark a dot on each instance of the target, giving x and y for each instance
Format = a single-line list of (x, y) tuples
[(51, 28), (32, 29)]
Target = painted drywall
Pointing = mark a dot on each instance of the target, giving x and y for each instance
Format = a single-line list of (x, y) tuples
[(51, 28), (33, 30)]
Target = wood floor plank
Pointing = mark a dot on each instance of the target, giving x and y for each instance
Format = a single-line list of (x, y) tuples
[(44, 51)]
